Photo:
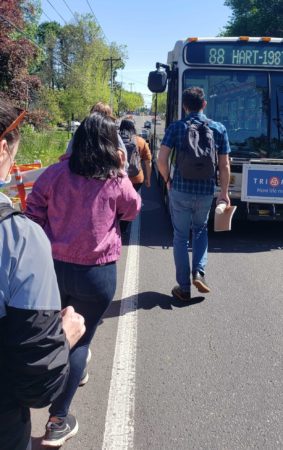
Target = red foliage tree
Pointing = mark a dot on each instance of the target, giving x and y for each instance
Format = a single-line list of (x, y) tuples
[(16, 54)]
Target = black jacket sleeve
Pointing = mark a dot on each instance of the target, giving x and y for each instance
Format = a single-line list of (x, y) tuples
[(37, 355)]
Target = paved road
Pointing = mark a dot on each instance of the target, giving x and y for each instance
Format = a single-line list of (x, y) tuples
[(205, 376)]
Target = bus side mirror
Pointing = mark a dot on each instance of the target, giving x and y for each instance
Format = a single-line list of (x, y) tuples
[(157, 81)]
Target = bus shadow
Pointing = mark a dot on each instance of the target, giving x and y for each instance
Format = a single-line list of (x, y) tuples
[(247, 237)]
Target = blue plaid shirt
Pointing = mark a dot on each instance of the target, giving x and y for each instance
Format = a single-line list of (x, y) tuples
[(174, 137)]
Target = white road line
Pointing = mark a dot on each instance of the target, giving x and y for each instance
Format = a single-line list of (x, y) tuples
[(119, 422)]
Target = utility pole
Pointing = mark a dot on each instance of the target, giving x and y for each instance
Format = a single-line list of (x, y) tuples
[(131, 86), (111, 60)]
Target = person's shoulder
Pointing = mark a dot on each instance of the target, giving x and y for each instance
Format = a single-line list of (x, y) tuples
[(117, 180), (142, 144), (53, 172), (176, 126), (54, 168), (121, 182), (21, 232), (140, 141), (178, 123), (218, 126)]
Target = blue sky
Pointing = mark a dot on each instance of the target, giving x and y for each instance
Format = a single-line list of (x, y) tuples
[(149, 28)]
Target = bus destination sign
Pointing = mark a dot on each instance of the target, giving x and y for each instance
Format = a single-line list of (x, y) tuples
[(235, 54)]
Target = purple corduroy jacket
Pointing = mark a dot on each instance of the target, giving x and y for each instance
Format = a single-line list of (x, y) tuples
[(81, 216)]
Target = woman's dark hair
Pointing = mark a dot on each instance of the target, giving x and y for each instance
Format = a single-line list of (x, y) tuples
[(128, 126), (8, 114), (94, 150)]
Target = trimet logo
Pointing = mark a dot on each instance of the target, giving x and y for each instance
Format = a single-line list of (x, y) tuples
[(274, 181)]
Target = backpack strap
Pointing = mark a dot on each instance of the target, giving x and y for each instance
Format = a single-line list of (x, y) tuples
[(7, 211)]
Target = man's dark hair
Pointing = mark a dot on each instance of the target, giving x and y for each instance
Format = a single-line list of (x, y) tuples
[(94, 150), (193, 98)]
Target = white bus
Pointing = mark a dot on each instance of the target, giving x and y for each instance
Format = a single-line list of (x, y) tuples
[(243, 83)]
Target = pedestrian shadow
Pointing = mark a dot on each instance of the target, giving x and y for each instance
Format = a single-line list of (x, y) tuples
[(36, 444), (150, 300)]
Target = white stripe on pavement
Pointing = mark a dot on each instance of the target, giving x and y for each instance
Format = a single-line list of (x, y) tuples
[(119, 423)]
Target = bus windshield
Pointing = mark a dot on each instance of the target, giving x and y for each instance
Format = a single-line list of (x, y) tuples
[(241, 101)]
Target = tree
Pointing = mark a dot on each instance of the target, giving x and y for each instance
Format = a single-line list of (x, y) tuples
[(47, 36), (129, 101), (75, 67), (16, 52), (255, 18), (161, 102)]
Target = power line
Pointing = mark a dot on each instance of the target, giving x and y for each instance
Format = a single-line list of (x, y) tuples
[(69, 9), (97, 22), (57, 12), (90, 8), (134, 81), (50, 20)]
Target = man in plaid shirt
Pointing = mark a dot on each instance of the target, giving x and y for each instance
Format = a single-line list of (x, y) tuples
[(190, 200)]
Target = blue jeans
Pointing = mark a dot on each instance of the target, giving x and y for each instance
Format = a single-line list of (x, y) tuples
[(90, 290), (189, 212)]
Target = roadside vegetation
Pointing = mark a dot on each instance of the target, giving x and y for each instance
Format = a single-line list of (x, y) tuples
[(57, 72), (46, 146)]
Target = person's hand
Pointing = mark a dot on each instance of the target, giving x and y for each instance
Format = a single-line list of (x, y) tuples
[(223, 197), (147, 183), (168, 185), (73, 324)]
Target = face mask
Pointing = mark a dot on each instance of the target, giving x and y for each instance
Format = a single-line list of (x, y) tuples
[(8, 177)]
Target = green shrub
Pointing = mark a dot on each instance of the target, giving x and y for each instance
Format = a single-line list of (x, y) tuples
[(45, 146)]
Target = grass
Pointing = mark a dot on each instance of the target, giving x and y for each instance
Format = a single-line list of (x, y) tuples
[(45, 146)]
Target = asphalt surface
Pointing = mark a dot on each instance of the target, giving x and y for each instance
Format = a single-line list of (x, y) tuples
[(208, 375)]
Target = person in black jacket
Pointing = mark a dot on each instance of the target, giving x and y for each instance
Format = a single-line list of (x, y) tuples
[(35, 336)]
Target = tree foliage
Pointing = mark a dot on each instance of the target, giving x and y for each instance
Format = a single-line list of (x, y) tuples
[(58, 70), (129, 101), (16, 51), (161, 102), (255, 18), (76, 71)]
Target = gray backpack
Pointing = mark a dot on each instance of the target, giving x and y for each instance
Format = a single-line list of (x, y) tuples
[(134, 158), (197, 158)]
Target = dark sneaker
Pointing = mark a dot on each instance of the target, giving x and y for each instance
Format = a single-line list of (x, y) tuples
[(200, 283), (59, 430), (181, 295), (85, 375)]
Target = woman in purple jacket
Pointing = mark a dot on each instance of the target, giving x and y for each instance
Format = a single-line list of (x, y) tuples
[(79, 203)]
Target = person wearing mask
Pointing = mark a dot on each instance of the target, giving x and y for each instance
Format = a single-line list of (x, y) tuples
[(35, 335), (85, 237)]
